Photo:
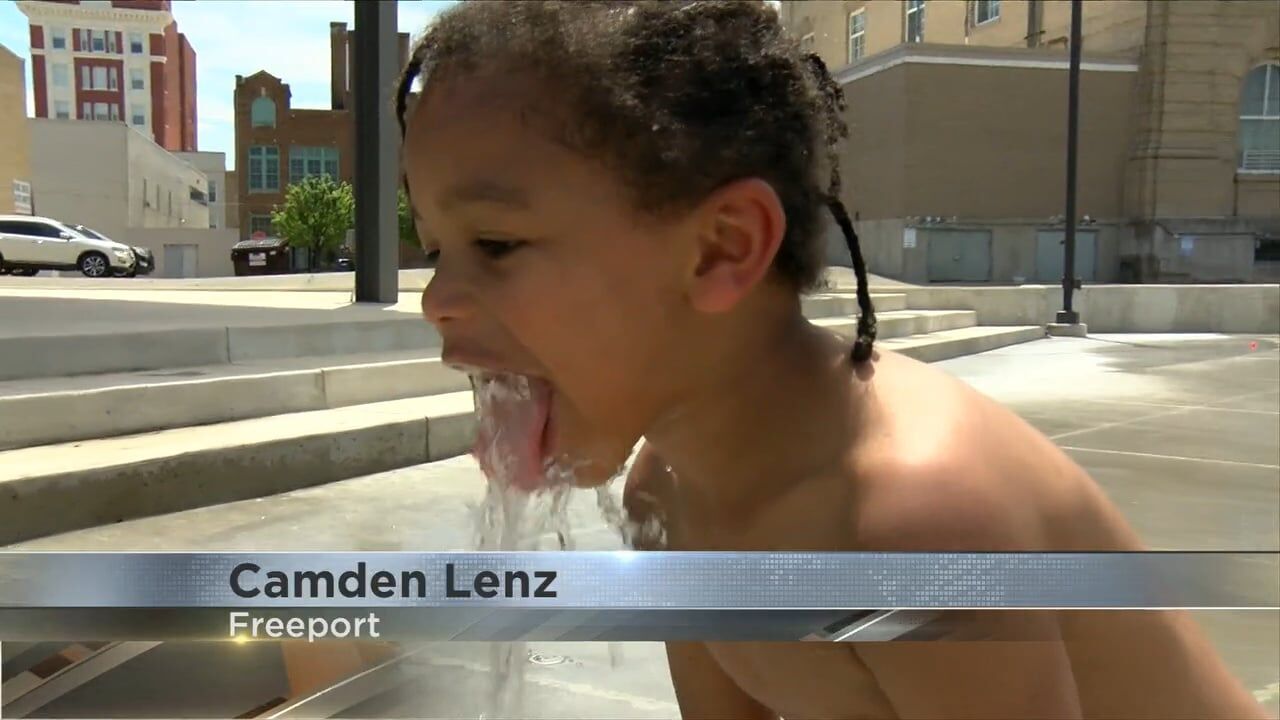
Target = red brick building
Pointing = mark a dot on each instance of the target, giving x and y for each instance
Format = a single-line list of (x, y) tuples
[(115, 61)]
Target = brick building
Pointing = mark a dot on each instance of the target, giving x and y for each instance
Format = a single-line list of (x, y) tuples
[(957, 109), (278, 144), (116, 60)]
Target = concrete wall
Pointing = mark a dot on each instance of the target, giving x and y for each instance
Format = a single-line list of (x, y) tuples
[(923, 140), (15, 160), (163, 176), (1118, 308), (80, 172), (213, 247), (95, 173)]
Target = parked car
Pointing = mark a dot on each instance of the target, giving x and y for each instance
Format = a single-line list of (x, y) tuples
[(30, 244), (144, 260)]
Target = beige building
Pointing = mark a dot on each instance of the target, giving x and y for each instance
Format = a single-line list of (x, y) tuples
[(955, 168), (15, 166), (214, 167), (119, 182)]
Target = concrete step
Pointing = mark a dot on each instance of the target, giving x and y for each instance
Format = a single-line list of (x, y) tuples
[(55, 410), (55, 488), (946, 344), (344, 331), (900, 323), (45, 410)]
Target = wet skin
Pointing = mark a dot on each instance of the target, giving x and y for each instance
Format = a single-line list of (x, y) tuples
[(676, 329)]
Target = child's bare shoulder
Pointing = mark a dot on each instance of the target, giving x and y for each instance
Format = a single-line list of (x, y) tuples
[(943, 467)]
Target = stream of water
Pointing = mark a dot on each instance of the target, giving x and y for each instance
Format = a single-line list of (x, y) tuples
[(511, 519)]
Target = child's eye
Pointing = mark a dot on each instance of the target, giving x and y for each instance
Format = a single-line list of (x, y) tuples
[(497, 248)]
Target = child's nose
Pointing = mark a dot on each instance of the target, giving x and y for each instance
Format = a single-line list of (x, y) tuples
[(445, 299)]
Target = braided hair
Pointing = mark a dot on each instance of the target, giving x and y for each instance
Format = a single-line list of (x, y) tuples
[(678, 98)]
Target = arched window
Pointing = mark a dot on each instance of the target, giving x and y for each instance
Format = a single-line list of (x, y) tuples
[(1260, 120), (262, 113)]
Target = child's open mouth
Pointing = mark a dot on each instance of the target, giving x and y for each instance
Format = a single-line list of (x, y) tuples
[(515, 428)]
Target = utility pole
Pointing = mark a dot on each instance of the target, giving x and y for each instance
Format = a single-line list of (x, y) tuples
[(1068, 320), (374, 66)]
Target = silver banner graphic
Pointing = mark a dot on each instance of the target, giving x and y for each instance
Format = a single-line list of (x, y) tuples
[(641, 581)]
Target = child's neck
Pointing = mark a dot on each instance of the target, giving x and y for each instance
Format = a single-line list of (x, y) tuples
[(779, 410)]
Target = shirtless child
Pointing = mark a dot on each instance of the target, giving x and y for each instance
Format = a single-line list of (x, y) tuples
[(624, 202)]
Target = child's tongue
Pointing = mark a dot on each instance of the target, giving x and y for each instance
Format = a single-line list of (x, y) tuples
[(512, 415)]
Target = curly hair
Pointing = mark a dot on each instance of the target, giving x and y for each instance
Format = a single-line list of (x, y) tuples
[(677, 98)]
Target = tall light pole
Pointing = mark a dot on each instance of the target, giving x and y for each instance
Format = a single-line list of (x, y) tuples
[(1068, 316), (374, 66)]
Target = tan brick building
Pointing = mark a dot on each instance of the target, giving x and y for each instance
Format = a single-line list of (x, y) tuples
[(15, 152), (956, 162), (277, 144)]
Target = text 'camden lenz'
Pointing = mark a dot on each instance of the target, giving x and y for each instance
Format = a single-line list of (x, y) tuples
[(249, 580)]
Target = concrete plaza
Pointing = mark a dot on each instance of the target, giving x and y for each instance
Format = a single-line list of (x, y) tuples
[(1182, 431)]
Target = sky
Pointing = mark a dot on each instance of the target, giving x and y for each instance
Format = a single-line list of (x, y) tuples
[(287, 38)]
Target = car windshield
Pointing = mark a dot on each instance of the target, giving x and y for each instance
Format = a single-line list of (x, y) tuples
[(91, 233)]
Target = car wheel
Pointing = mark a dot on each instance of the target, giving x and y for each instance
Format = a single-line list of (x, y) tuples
[(94, 265)]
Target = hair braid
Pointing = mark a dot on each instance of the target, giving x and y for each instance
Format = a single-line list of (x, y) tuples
[(866, 334)]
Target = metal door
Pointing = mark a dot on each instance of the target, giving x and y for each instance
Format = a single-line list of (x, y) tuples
[(1050, 245), (179, 261), (958, 255)]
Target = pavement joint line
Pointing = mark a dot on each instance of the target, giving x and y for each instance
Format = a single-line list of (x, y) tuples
[(1171, 457), (636, 701), (1141, 418), (1187, 407)]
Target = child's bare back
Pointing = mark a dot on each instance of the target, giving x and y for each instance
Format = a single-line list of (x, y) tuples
[(945, 469)]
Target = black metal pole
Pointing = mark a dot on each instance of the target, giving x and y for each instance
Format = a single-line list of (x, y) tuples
[(374, 64), (1068, 315)]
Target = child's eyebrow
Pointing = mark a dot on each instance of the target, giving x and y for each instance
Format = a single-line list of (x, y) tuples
[(484, 191)]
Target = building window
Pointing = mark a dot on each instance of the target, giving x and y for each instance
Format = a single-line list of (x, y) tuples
[(86, 77), (264, 168), (213, 191), (305, 162), (85, 41), (262, 113), (99, 41), (915, 21), (86, 111), (135, 43), (113, 79), (58, 38), (99, 78), (259, 224), (100, 111), (136, 79), (112, 45), (985, 11), (857, 35), (62, 109), (61, 75), (1260, 120), (139, 118), (115, 111)]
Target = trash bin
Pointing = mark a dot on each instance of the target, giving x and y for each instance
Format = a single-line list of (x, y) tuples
[(261, 256)]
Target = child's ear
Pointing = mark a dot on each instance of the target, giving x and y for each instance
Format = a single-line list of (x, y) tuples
[(740, 227)]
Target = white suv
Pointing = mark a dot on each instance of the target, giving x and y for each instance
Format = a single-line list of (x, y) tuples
[(31, 244)]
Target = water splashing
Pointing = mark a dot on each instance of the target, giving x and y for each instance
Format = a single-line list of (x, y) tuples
[(509, 518)]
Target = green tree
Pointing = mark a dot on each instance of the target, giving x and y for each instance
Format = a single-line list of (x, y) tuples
[(316, 214), (404, 213)]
